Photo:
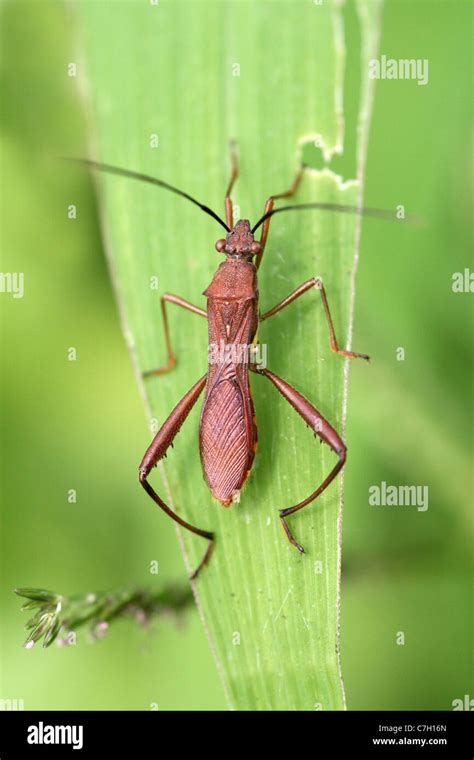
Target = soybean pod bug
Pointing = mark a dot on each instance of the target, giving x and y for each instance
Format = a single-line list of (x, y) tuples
[(228, 431)]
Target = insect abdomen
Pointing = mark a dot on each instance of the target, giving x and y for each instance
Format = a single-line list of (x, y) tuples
[(228, 437), (228, 434)]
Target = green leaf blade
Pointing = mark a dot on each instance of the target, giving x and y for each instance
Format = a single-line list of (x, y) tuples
[(271, 615)]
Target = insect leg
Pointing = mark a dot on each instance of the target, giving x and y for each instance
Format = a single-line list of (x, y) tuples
[(321, 428), (171, 357), (157, 450), (229, 211), (317, 283), (268, 207)]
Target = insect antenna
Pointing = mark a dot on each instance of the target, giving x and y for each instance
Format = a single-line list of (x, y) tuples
[(378, 213), (146, 178)]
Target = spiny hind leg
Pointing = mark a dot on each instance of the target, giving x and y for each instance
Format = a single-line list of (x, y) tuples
[(321, 428), (157, 450)]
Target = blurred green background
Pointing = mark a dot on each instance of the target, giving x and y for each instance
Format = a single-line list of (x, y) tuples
[(81, 424)]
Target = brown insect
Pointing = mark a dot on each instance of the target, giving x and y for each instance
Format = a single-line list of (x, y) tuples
[(228, 431)]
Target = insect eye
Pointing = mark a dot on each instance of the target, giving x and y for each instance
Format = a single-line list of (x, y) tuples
[(220, 245), (255, 247)]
